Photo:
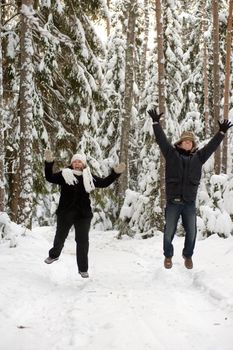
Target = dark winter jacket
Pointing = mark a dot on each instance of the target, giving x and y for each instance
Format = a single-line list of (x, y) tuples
[(74, 197), (183, 168)]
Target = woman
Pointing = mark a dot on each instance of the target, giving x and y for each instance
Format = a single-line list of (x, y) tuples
[(74, 208)]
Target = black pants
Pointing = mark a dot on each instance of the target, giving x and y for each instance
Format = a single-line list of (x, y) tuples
[(82, 226)]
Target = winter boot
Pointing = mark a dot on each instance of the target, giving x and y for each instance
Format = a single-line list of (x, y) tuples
[(84, 274), (188, 263), (49, 260), (168, 263)]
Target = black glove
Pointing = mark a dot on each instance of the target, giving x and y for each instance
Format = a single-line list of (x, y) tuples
[(154, 115), (225, 125)]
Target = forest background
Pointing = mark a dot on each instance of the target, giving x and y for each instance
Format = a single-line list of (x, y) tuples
[(65, 86)]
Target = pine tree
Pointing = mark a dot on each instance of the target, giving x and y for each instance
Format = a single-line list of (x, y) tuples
[(148, 216), (71, 92), (144, 202), (227, 81), (111, 120), (2, 153), (114, 75), (192, 114), (216, 79), (10, 49), (131, 7), (26, 116), (67, 93), (204, 29), (146, 9), (174, 67)]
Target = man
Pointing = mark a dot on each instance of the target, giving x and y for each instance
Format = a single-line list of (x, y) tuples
[(74, 208), (182, 177)]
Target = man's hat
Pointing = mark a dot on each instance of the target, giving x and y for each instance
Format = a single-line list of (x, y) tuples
[(186, 135)]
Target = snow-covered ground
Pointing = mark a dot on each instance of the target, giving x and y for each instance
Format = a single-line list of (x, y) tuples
[(130, 302)]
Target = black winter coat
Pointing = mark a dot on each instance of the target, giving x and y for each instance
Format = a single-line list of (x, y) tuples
[(183, 168), (74, 197)]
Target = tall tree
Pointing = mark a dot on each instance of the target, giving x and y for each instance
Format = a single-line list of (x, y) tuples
[(108, 21), (227, 81), (2, 191), (145, 45), (191, 117), (71, 94), (174, 67), (148, 216), (131, 7), (11, 71), (114, 69), (205, 69), (26, 115), (66, 98), (161, 89), (216, 80)]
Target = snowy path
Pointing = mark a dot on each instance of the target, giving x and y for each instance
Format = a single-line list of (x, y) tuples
[(129, 302)]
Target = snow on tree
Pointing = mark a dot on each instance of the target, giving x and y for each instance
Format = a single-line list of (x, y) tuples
[(67, 92), (78, 95), (2, 152), (26, 116), (174, 67)]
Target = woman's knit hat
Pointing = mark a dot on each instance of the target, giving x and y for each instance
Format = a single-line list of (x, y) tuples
[(79, 156), (186, 135), (69, 174)]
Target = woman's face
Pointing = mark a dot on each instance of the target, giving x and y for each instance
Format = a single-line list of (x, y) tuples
[(77, 165)]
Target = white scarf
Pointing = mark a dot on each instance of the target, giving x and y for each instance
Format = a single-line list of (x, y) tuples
[(70, 179)]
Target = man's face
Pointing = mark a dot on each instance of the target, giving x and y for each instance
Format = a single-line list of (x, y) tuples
[(187, 145), (77, 165)]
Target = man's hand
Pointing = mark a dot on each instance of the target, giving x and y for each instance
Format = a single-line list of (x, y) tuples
[(154, 115), (225, 125), (120, 168), (48, 155)]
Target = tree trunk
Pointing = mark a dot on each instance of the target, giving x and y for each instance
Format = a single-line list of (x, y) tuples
[(206, 91), (128, 98), (161, 87), (2, 191), (205, 74), (108, 25), (216, 80), (227, 82), (13, 171), (26, 117), (145, 45)]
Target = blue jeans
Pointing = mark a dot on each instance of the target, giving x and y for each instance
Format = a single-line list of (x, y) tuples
[(187, 212)]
